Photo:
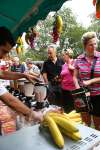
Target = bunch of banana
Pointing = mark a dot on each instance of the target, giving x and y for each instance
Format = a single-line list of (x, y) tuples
[(59, 24), (54, 130), (58, 124), (57, 29), (73, 116), (19, 47)]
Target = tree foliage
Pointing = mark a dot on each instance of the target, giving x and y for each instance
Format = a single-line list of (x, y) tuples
[(95, 26), (70, 36)]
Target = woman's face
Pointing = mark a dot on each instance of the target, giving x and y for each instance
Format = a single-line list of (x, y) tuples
[(91, 45), (65, 57)]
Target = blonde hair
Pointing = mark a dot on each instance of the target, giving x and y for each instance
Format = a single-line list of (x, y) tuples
[(87, 36), (68, 52)]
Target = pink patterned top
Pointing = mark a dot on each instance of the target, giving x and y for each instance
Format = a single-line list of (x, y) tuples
[(84, 68), (67, 78)]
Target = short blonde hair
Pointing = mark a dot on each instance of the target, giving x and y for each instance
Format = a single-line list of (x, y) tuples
[(87, 36), (68, 52)]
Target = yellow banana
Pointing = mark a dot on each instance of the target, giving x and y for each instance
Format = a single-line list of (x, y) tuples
[(59, 24), (58, 114), (19, 41), (59, 29), (67, 124), (55, 132), (73, 135), (59, 21), (72, 112), (77, 119), (18, 50), (73, 115)]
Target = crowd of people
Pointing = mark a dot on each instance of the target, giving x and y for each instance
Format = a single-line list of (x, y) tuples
[(61, 75)]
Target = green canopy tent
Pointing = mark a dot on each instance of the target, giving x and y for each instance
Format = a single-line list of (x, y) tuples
[(19, 15)]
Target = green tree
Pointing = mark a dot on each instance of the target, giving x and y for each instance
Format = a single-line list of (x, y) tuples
[(95, 26), (72, 31), (70, 36)]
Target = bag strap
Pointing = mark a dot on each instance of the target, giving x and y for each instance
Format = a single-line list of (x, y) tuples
[(92, 68)]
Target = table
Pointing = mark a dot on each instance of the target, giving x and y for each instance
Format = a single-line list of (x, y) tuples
[(31, 138)]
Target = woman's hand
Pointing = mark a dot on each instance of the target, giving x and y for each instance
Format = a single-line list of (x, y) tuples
[(87, 83), (70, 64)]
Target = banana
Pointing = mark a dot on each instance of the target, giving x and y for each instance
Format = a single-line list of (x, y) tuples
[(19, 41), (18, 50), (59, 24), (67, 124), (58, 114), (73, 135), (54, 130), (72, 116), (77, 119), (59, 21), (59, 29), (72, 112)]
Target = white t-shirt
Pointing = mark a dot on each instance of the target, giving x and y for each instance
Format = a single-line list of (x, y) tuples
[(4, 82), (34, 69)]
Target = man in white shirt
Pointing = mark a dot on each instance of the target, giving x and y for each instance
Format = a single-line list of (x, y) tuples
[(6, 44)]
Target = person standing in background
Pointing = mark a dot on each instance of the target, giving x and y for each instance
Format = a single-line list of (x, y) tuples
[(67, 83), (32, 69), (17, 67), (87, 68), (51, 74), (38, 89)]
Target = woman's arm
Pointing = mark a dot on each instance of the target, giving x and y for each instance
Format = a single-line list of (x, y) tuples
[(71, 65), (75, 78), (91, 81)]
